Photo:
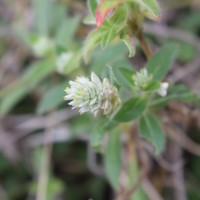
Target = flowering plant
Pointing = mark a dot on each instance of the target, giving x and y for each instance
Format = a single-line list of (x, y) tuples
[(120, 96), (125, 95)]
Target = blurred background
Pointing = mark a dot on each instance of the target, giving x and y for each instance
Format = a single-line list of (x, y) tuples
[(45, 151)]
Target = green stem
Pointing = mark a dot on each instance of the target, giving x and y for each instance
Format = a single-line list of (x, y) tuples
[(135, 190)]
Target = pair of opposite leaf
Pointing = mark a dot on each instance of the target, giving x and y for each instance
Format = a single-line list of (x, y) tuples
[(121, 19)]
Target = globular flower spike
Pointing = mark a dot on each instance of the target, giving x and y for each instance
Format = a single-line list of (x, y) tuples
[(142, 79), (93, 95)]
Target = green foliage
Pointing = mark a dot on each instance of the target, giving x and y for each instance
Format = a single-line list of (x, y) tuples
[(124, 77), (112, 55), (92, 5), (117, 25), (97, 137), (93, 39), (161, 61), (187, 52), (128, 41), (178, 92), (150, 8), (106, 33), (51, 29), (152, 86), (189, 22), (119, 19), (42, 11), (48, 16), (52, 99), (151, 131), (113, 158), (108, 37), (133, 173), (131, 109), (66, 34), (52, 55), (31, 78), (100, 129)]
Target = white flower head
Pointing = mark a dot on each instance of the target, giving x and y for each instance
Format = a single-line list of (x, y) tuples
[(93, 95), (142, 79), (63, 60), (163, 89), (42, 46)]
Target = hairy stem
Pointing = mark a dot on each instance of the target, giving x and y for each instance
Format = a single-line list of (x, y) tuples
[(144, 45)]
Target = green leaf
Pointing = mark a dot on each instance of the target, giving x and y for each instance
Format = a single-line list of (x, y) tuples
[(112, 55), (153, 86), (110, 124), (150, 130), (106, 32), (108, 73), (92, 5), (131, 109), (100, 129), (42, 11), (16, 91), (22, 34), (102, 36), (108, 37), (58, 16), (150, 8), (113, 159), (119, 18), (161, 61), (97, 137), (65, 35), (128, 41), (49, 16), (124, 77), (189, 22), (187, 52), (98, 133), (178, 92), (52, 99), (93, 39)]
